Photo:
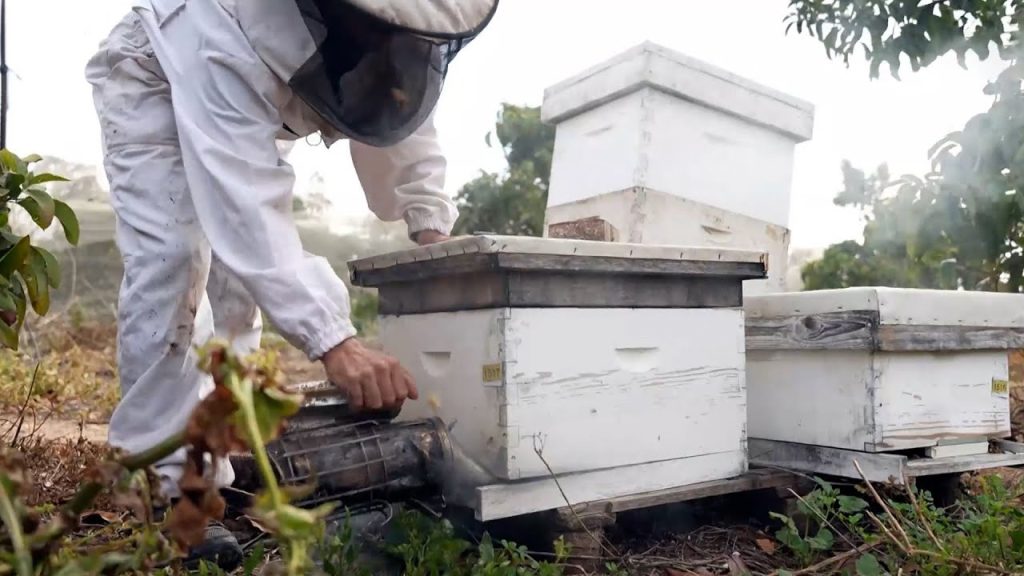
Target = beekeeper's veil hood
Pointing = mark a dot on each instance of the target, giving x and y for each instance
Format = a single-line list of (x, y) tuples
[(373, 69)]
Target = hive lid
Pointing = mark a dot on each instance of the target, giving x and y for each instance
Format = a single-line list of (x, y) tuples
[(531, 253), (898, 306), (885, 319), (649, 65)]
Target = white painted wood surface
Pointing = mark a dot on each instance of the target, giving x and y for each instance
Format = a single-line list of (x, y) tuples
[(813, 397), (880, 400), (881, 468), (591, 388), (649, 64), (540, 494), (951, 450), (921, 399), (655, 119), (900, 306), (646, 216)]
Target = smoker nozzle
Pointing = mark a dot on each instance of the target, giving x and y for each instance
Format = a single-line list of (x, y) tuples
[(457, 474)]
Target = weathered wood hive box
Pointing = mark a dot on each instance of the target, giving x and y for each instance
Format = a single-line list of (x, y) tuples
[(881, 369), (594, 355)]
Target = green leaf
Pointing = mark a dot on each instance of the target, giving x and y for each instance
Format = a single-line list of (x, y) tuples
[(9, 336), (486, 549), (68, 221), (43, 211), (272, 406), (15, 256), (44, 178), (51, 266), (34, 210), (253, 561), (7, 303), (1017, 538), (851, 504), (20, 300), (33, 272), (823, 540), (867, 565), (32, 159), (13, 183), (9, 161)]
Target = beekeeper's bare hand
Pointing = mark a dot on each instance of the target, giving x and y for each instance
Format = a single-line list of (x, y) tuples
[(426, 237), (371, 379)]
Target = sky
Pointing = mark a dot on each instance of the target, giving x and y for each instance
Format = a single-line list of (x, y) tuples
[(530, 45)]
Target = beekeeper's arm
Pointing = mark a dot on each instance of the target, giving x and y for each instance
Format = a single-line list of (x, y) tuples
[(227, 116), (406, 181)]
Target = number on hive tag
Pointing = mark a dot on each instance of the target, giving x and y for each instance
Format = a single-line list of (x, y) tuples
[(492, 372), (1000, 386)]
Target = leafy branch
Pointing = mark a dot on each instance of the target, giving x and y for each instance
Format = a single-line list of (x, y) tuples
[(247, 408), (27, 272)]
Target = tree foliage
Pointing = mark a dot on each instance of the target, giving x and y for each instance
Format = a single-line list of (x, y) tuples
[(512, 202), (916, 31), (959, 225), (27, 272)]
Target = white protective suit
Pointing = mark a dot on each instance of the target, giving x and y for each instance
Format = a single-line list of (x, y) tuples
[(190, 114)]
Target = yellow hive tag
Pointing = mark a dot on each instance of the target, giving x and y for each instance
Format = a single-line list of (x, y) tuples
[(1000, 386), (492, 373)]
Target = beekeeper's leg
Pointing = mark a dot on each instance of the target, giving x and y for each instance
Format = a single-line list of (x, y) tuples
[(236, 317), (162, 309)]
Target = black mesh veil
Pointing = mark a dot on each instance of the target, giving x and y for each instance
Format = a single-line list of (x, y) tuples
[(373, 81)]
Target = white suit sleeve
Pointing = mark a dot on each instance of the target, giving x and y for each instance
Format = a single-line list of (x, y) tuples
[(227, 117), (406, 181)]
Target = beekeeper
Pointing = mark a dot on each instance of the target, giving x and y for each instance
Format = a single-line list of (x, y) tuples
[(192, 96)]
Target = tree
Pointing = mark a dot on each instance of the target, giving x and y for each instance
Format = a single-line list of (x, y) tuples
[(514, 201), (959, 226), (906, 241)]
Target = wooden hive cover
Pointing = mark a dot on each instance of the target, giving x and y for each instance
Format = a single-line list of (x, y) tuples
[(885, 319), (486, 271)]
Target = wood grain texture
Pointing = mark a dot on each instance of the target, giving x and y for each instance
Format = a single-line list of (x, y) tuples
[(592, 228), (876, 467), (923, 399), (863, 330), (590, 388), (759, 479), (830, 461), (902, 338), (539, 494), (852, 330), (820, 397), (512, 289), (960, 464), (472, 263)]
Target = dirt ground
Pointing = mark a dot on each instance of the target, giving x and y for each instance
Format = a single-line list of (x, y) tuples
[(64, 432)]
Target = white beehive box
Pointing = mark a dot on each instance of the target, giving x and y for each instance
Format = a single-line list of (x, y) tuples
[(881, 369), (671, 150), (597, 355)]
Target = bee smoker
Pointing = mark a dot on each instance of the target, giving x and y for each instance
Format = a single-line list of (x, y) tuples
[(357, 458)]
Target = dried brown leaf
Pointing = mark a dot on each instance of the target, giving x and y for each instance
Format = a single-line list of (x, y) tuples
[(187, 524), (766, 546), (737, 567), (200, 503), (99, 518), (209, 429)]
